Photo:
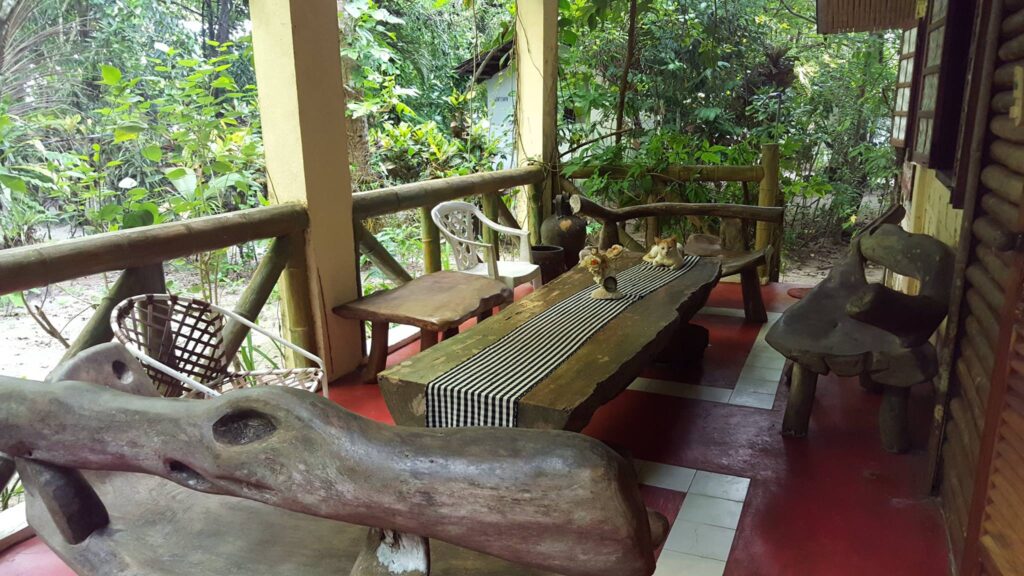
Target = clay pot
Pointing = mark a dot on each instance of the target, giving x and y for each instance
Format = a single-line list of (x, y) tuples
[(565, 229), (551, 260)]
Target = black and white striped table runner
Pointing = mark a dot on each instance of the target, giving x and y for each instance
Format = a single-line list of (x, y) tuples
[(485, 389)]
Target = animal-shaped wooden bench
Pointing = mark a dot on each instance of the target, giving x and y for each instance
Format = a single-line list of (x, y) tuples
[(734, 261), (280, 481)]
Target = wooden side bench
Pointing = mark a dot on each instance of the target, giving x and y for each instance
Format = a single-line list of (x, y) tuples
[(742, 262), (434, 303)]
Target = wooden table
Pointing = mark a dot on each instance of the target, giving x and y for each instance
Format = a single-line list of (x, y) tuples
[(600, 370), (438, 302)]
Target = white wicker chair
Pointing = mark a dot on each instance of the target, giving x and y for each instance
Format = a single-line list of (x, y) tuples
[(457, 222), (179, 340)]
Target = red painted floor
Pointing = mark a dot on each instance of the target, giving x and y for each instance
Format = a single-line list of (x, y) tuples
[(832, 504)]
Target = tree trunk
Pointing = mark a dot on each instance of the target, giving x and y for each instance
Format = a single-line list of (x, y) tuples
[(358, 128), (624, 83)]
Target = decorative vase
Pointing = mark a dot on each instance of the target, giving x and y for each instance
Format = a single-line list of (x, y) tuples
[(551, 260), (565, 229)]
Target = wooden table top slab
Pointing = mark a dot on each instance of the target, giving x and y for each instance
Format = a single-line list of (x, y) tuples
[(436, 302), (600, 370)]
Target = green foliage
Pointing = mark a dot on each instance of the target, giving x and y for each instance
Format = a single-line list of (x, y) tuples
[(10, 494), (711, 77)]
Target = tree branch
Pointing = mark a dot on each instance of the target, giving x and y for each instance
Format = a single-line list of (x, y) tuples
[(797, 14)]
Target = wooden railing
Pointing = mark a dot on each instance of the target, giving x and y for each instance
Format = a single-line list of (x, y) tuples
[(766, 175), (141, 252), (424, 196)]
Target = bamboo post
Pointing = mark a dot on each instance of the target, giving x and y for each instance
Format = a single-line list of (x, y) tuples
[(769, 234), (505, 216), (653, 227), (297, 311), (536, 211), (257, 292), (431, 237), (370, 247), (132, 282), (490, 204)]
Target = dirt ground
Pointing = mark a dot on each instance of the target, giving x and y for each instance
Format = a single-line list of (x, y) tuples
[(28, 352)]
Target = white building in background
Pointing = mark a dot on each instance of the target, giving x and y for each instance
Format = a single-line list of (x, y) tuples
[(498, 79)]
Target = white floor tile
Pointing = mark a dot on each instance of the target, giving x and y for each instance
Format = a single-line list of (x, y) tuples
[(681, 390), (14, 528), (665, 475), (731, 312), (708, 510), (757, 385), (752, 399), (701, 540), (760, 372), (766, 359), (675, 564), (720, 486)]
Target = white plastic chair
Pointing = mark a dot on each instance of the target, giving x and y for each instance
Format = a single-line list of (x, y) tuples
[(456, 220), (179, 340)]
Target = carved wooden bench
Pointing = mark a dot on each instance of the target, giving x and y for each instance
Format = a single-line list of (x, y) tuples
[(271, 481), (742, 262), (435, 303), (855, 328)]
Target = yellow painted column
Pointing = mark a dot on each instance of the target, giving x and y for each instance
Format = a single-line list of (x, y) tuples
[(302, 104), (537, 99)]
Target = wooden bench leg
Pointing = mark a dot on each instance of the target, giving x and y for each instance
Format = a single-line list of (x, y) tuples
[(753, 303), (427, 339), (378, 352), (451, 333), (892, 419), (801, 400)]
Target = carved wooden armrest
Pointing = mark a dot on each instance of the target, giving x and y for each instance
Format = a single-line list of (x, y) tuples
[(553, 500)]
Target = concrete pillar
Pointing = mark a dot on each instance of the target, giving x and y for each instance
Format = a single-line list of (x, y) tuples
[(537, 98), (302, 104)]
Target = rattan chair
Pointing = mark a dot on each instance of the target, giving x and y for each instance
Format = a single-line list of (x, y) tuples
[(180, 342)]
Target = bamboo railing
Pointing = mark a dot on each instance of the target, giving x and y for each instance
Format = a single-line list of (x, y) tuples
[(141, 252), (766, 175), (424, 196)]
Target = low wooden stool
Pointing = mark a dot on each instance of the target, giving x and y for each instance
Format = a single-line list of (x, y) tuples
[(434, 303)]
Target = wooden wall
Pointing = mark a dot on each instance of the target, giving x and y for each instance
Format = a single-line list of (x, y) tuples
[(982, 480), (865, 15)]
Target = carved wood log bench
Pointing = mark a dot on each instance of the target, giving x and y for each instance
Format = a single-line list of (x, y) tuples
[(742, 262), (274, 481), (854, 328), (435, 303)]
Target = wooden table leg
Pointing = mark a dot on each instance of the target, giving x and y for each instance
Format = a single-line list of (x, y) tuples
[(485, 315), (801, 400), (378, 352), (892, 419), (427, 339), (753, 303)]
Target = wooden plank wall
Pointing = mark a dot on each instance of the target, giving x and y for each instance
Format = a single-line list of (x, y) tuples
[(836, 16), (983, 450)]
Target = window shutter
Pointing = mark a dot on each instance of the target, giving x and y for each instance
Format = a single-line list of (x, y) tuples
[(944, 64), (983, 446), (905, 81)]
